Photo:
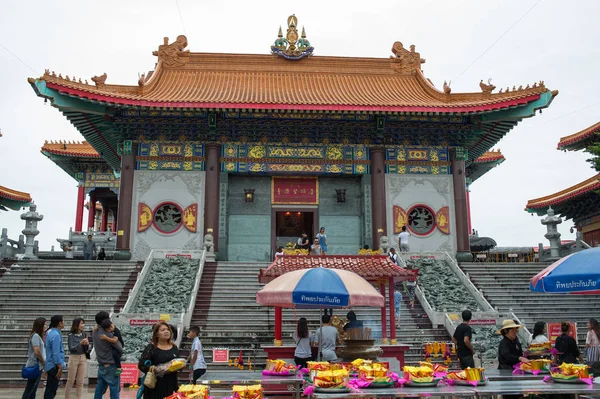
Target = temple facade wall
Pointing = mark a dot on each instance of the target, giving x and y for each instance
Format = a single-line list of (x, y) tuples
[(248, 223), (343, 222), (430, 200), (174, 195)]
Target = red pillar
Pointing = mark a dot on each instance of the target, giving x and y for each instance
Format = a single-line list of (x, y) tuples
[(211, 191), (104, 222), (92, 211), (383, 317), (378, 205), (79, 209), (457, 160), (278, 324), (392, 312), (125, 201), (469, 209)]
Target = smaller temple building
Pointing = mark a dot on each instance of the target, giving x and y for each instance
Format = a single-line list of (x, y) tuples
[(580, 202)]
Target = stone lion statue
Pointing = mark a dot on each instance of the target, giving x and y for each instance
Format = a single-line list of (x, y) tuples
[(384, 244), (209, 242)]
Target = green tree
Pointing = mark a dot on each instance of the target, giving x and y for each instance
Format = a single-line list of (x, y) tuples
[(594, 149)]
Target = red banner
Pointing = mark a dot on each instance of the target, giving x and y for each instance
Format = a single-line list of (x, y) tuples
[(130, 373), (300, 190), (554, 331), (220, 355)]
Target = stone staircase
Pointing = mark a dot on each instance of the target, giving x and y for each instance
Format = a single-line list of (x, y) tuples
[(506, 286), (227, 312), (44, 288)]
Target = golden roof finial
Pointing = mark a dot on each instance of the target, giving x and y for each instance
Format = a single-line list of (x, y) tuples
[(303, 32), (280, 34)]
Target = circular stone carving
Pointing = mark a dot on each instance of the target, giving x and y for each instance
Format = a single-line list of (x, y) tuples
[(421, 220), (168, 217)]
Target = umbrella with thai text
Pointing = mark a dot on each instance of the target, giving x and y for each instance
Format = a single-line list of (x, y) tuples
[(578, 273), (319, 288)]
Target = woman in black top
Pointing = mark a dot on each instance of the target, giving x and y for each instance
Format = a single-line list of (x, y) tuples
[(509, 350), (566, 346), (161, 350)]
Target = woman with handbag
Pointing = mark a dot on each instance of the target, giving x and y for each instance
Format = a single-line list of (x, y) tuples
[(160, 350), (36, 358), (79, 351)]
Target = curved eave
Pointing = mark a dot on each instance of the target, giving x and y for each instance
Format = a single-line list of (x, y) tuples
[(88, 117), (479, 168), (139, 103), (69, 154), (494, 126), (13, 199), (580, 140), (540, 205)]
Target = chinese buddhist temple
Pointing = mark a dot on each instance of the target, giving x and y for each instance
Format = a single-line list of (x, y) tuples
[(259, 148), (580, 202)]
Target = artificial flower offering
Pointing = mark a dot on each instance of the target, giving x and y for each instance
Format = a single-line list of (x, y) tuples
[(194, 391), (420, 374), (568, 371), (469, 376), (279, 367), (247, 391), (332, 379), (376, 372), (543, 347), (169, 367)]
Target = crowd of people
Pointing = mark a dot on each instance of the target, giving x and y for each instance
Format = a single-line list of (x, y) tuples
[(89, 250), (46, 357), (510, 349)]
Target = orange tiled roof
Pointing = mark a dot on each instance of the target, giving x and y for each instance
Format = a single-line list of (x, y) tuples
[(242, 81), (71, 149), (368, 267), (14, 195), (593, 183), (490, 156), (578, 137)]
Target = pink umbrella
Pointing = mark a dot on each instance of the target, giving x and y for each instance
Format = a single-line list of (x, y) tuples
[(319, 287)]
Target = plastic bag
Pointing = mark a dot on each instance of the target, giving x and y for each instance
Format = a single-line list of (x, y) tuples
[(169, 367)]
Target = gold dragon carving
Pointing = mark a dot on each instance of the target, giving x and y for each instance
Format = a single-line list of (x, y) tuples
[(173, 54)]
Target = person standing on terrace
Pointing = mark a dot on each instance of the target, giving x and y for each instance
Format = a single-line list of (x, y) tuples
[(403, 240), (89, 248), (322, 237)]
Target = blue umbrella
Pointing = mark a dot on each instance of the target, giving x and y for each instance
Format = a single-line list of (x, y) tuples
[(578, 273)]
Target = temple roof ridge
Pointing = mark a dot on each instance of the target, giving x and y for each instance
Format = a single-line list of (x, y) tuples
[(14, 195), (224, 80), (69, 148)]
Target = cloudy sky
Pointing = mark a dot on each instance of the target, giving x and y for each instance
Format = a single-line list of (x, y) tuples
[(556, 42)]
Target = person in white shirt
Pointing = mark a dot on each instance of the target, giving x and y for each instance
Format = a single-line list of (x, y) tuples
[(279, 252), (539, 333), (197, 362), (403, 240), (303, 339), (68, 248)]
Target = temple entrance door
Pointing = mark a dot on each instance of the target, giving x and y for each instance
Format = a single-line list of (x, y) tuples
[(290, 224)]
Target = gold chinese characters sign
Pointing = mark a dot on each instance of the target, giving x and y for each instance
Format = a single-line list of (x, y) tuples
[(295, 190)]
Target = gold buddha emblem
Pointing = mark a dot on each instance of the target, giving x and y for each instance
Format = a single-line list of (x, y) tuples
[(293, 46)]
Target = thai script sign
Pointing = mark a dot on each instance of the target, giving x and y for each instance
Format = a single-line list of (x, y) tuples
[(220, 355), (298, 190), (130, 374)]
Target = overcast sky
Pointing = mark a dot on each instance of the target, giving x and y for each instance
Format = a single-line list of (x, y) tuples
[(556, 42)]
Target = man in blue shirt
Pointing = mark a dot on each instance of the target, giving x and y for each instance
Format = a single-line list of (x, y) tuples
[(55, 356)]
